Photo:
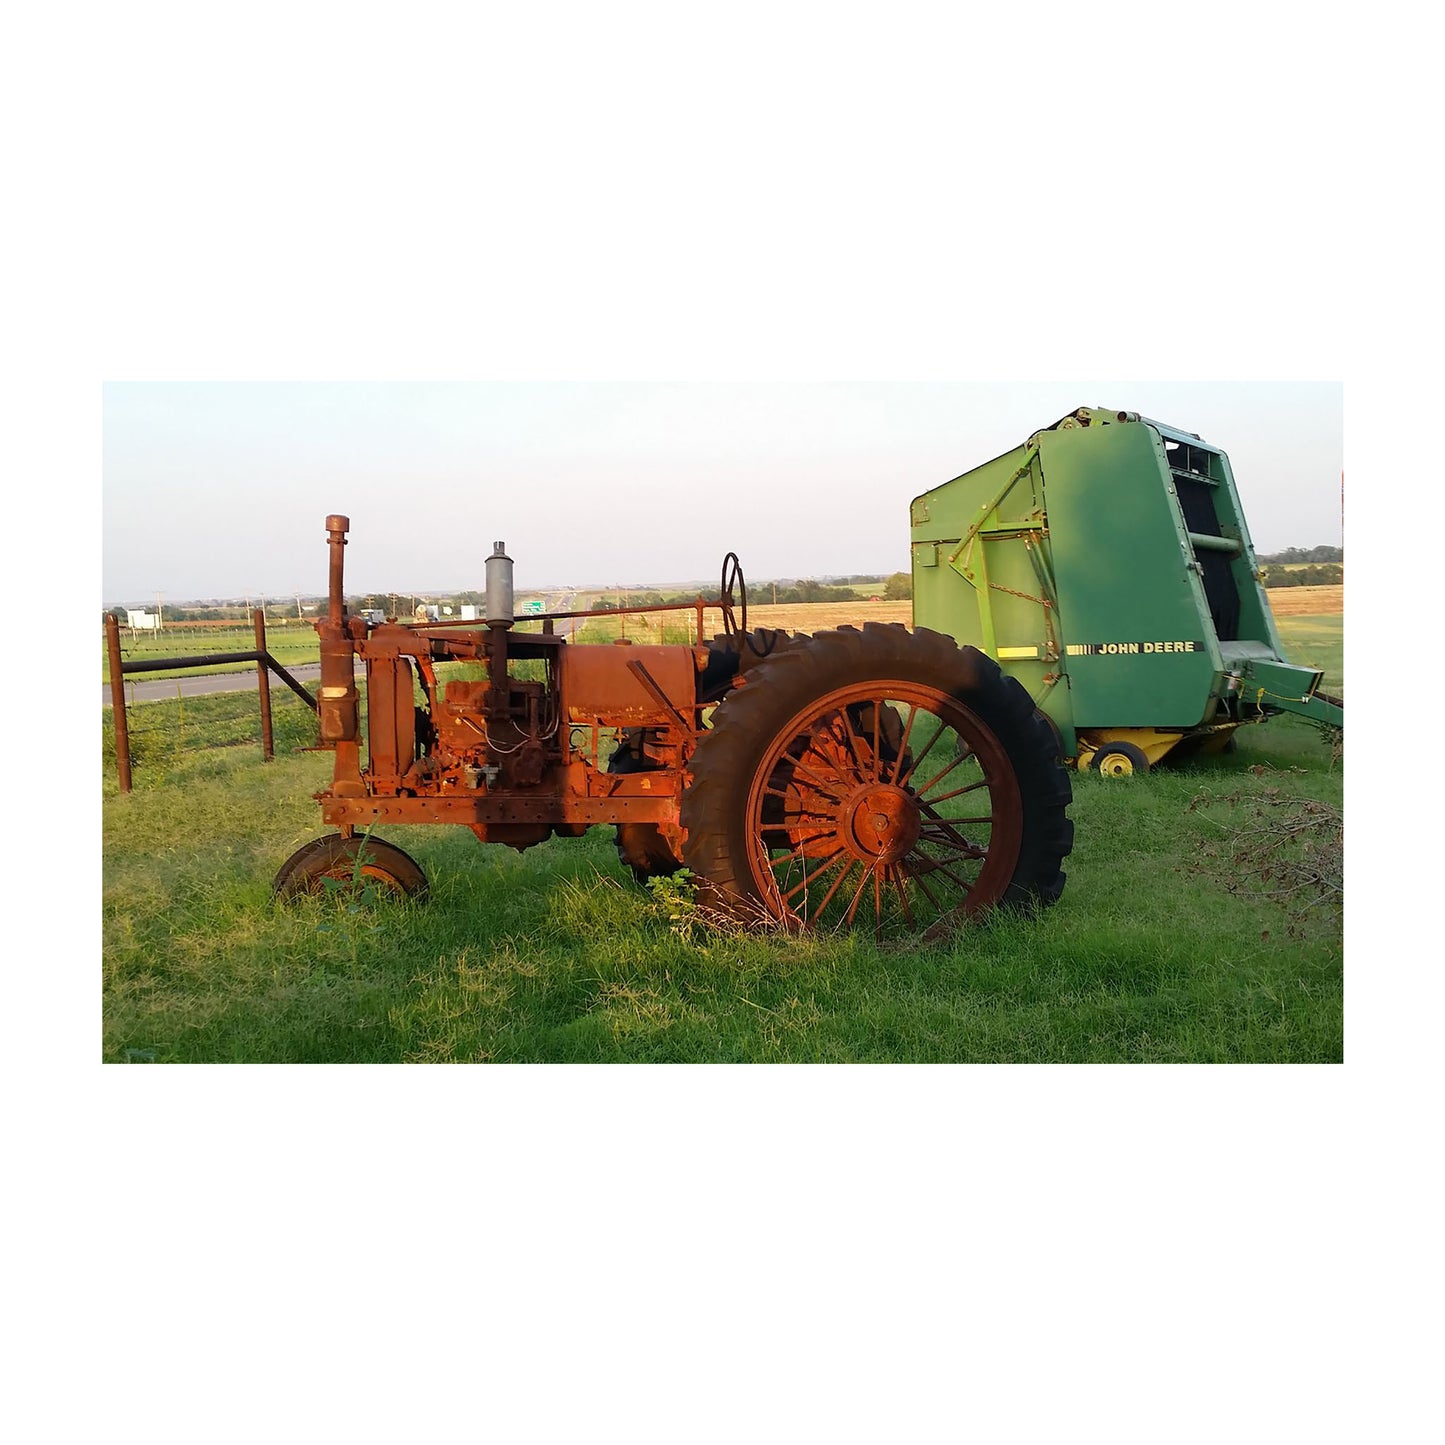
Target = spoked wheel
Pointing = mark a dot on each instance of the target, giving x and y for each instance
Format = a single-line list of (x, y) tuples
[(878, 779), (382, 865)]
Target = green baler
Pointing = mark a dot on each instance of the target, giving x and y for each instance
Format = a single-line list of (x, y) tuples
[(1106, 564)]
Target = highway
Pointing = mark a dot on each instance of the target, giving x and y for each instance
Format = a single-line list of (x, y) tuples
[(162, 689)]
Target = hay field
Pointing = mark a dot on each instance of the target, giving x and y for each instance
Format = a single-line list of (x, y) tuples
[(819, 616), (815, 616), (1306, 601)]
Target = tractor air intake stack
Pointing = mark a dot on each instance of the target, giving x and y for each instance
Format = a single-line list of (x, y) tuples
[(337, 700)]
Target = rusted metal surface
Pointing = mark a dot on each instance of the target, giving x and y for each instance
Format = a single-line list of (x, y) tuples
[(117, 696), (631, 685), (517, 754), (835, 807)]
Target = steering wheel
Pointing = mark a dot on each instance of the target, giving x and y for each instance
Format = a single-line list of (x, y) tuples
[(734, 625), (735, 609)]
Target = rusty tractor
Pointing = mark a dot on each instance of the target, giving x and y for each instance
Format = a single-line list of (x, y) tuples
[(871, 777)]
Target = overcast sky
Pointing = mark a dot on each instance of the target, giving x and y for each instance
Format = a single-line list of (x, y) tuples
[(221, 489)]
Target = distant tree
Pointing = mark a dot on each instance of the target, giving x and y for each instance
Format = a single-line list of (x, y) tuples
[(1324, 574), (1297, 555), (898, 588)]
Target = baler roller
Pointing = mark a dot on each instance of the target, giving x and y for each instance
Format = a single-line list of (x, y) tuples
[(1207, 542)]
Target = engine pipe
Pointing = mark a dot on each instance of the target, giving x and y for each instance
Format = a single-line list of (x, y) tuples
[(337, 698)]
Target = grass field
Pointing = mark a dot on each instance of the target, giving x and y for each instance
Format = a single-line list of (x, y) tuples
[(1162, 948)]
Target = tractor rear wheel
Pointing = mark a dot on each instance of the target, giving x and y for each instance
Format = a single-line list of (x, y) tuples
[(382, 865), (877, 778)]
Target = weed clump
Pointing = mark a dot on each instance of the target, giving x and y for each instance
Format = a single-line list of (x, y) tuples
[(1280, 847)]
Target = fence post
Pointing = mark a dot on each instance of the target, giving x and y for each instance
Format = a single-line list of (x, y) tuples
[(117, 700), (263, 680)]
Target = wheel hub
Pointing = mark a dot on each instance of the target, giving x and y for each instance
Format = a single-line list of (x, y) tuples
[(880, 823)]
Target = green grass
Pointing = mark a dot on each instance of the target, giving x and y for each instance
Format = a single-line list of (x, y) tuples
[(555, 955), (1317, 642), (1159, 951)]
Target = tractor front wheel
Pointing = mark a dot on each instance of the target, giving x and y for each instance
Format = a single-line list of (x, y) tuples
[(363, 861), (877, 778)]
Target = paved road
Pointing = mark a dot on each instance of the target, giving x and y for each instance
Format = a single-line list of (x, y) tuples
[(162, 689)]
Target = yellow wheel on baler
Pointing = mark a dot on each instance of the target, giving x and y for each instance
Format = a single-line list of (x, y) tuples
[(1119, 760)]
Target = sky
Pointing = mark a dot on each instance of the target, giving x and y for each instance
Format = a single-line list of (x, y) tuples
[(215, 489)]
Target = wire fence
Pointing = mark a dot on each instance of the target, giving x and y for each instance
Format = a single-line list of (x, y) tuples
[(215, 718), (160, 732)]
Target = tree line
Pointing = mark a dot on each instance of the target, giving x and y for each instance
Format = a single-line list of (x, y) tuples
[(1322, 574), (1305, 554)]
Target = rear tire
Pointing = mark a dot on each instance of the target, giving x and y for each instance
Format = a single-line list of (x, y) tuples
[(802, 810)]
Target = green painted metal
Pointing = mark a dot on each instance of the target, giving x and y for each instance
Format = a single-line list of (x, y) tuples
[(1106, 563)]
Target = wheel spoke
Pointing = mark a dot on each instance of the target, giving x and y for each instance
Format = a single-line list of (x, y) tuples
[(937, 866), (942, 831), (850, 738), (896, 876), (808, 813), (955, 845), (903, 747), (927, 748), (828, 896), (829, 863), (918, 879), (857, 897), (824, 787), (939, 777), (958, 792)]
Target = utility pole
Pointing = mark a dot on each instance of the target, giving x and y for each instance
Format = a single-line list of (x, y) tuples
[(160, 623)]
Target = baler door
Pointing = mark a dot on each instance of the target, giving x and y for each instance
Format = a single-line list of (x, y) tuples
[(1139, 642)]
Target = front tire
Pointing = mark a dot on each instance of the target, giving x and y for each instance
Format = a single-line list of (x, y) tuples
[(382, 865), (803, 808)]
